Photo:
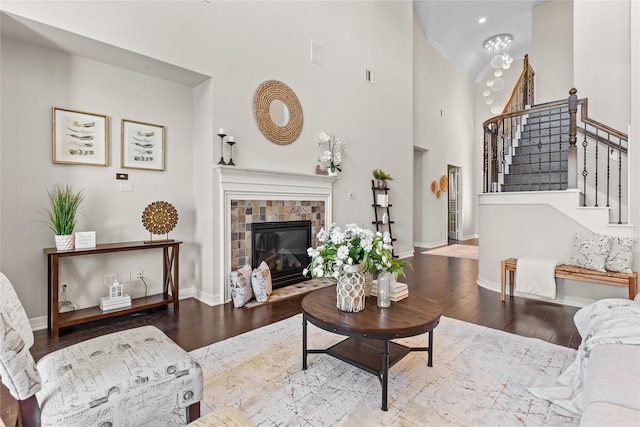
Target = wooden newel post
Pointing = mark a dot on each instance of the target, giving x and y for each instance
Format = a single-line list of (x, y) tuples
[(525, 82), (572, 179)]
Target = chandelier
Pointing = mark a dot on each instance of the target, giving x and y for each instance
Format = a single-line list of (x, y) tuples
[(497, 48)]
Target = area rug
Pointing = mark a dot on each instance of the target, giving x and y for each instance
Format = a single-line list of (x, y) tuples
[(456, 251), (292, 291), (479, 377)]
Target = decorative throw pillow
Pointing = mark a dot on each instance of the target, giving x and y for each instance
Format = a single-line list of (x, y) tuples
[(620, 256), (261, 282), (241, 286), (590, 251)]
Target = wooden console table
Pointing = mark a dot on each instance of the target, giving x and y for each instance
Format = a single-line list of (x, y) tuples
[(170, 274)]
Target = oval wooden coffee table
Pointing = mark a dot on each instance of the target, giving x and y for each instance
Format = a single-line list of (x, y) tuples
[(370, 331)]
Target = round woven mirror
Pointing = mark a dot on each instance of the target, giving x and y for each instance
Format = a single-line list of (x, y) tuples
[(281, 121)]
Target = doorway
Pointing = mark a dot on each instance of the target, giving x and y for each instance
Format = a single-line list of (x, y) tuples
[(453, 205), (419, 208)]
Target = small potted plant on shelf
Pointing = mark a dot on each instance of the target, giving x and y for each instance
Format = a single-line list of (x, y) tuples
[(64, 204), (382, 177)]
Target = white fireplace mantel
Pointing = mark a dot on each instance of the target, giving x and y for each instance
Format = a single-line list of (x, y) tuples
[(261, 181), (239, 183)]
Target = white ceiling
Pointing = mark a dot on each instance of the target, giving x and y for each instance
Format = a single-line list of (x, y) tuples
[(452, 27)]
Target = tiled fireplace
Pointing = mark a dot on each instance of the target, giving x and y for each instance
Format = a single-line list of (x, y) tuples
[(246, 212), (247, 196)]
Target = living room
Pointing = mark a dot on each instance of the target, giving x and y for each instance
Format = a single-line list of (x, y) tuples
[(193, 67)]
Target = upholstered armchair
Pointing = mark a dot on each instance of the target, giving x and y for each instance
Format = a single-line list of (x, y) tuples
[(126, 378)]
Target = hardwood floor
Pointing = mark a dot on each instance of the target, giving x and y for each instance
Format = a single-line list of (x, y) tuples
[(450, 281)]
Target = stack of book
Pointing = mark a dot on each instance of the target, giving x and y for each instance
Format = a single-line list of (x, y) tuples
[(399, 291), (117, 303)]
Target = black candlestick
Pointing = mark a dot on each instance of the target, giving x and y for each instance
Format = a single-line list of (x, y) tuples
[(222, 135), (231, 144)]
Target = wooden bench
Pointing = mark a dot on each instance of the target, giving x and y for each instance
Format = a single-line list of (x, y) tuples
[(565, 271)]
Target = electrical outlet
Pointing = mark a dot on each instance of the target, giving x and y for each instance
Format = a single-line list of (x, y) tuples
[(110, 278), (352, 194), (139, 274)]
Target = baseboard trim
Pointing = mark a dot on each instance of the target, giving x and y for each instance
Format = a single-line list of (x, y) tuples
[(406, 254), (564, 300), (38, 323)]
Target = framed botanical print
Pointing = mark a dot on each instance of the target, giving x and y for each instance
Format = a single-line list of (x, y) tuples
[(142, 146), (79, 138)]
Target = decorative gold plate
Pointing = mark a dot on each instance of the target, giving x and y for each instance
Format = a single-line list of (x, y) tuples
[(159, 217)]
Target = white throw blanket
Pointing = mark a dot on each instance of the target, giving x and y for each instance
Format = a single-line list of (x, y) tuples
[(536, 276), (608, 321)]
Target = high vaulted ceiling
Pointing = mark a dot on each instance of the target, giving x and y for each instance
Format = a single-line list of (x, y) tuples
[(452, 27)]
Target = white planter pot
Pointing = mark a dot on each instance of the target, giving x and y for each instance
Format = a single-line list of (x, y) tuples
[(64, 243)]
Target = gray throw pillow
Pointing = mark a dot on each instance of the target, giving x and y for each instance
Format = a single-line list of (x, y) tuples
[(620, 256), (261, 282), (241, 291), (590, 251)]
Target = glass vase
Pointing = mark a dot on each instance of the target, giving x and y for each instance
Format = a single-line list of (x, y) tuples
[(350, 289), (386, 283)]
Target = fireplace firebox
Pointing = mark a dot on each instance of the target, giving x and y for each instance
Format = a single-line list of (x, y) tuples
[(283, 247)]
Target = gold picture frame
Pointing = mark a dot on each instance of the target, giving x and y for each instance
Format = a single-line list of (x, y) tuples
[(79, 138), (141, 145)]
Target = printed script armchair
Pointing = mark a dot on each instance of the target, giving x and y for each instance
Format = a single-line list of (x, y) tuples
[(126, 378)]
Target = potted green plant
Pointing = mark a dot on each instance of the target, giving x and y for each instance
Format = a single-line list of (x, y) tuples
[(64, 203), (382, 177)]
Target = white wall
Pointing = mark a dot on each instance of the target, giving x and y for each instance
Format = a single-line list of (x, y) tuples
[(443, 124), (33, 80), (240, 44), (552, 50), (602, 59)]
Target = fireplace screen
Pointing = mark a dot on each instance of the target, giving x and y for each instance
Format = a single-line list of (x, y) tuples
[(283, 246)]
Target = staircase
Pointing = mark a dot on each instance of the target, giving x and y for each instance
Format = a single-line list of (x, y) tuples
[(538, 157), (557, 147)]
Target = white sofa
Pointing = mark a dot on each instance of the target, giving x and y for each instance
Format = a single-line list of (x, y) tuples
[(603, 382), (612, 386)]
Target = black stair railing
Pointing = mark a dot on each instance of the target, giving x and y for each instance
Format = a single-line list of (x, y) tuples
[(536, 149)]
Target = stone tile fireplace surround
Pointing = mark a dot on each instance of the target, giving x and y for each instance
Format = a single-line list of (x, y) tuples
[(247, 196), (246, 212)]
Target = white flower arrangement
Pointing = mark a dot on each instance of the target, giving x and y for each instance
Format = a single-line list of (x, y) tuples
[(354, 245), (333, 156)]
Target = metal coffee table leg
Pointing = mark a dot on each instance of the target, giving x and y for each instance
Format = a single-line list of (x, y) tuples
[(385, 373), (304, 341)]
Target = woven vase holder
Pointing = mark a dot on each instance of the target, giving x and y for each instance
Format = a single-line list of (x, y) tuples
[(350, 289), (368, 279)]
